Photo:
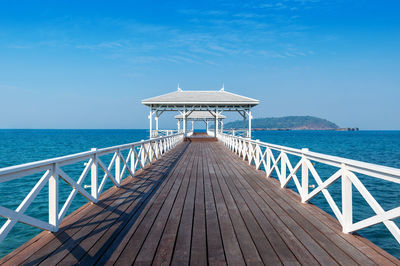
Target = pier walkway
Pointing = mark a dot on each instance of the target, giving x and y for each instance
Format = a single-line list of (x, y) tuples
[(199, 204)]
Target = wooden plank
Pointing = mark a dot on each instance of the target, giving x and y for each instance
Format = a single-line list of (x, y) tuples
[(215, 247), (239, 209), (233, 252), (117, 247), (199, 237), (265, 237), (135, 238), (150, 244), (271, 224), (181, 255), (165, 247)]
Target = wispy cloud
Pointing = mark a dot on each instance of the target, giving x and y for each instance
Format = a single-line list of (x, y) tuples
[(204, 36)]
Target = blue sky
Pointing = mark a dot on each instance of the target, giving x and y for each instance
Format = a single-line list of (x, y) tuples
[(88, 64)]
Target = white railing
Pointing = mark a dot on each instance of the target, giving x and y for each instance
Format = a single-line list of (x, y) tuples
[(261, 154), (163, 132), (139, 155), (237, 132)]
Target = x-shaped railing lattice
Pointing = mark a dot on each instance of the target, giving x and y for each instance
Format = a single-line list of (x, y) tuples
[(261, 154), (140, 154)]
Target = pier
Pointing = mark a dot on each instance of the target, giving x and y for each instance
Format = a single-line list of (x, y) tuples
[(199, 204), (200, 198)]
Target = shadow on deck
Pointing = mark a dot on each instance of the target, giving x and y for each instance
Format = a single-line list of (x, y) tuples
[(199, 204)]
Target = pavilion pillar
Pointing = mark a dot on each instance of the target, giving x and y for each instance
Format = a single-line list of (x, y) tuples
[(216, 124), (179, 125), (207, 126), (151, 122), (184, 123), (250, 117), (222, 126), (156, 118)]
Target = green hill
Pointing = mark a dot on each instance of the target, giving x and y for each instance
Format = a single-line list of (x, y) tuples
[(287, 122)]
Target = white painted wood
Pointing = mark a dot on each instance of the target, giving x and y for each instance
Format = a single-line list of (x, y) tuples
[(53, 172), (117, 167), (347, 168), (304, 176), (94, 176), (347, 201), (53, 196)]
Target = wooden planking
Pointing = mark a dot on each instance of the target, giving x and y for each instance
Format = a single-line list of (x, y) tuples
[(199, 239), (116, 221), (200, 204), (128, 246), (181, 255), (163, 254), (150, 243), (215, 247), (249, 234), (268, 241), (230, 242)]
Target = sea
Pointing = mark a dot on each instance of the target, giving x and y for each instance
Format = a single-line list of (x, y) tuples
[(26, 145)]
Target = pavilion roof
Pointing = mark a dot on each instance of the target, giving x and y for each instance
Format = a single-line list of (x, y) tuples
[(200, 115), (211, 98)]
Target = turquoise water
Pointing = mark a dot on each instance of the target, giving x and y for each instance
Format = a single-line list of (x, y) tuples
[(21, 146)]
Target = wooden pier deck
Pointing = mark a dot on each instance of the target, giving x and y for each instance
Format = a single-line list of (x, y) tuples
[(199, 204)]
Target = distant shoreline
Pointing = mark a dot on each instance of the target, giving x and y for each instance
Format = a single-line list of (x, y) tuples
[(321, 129)]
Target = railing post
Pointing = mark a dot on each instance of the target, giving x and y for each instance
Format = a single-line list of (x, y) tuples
[(283, 168), (133, 160), (53, 197), (118, 168), (258, 155), (347, 201), (268, 162), (142, 155), (93, 173), (304, 176)]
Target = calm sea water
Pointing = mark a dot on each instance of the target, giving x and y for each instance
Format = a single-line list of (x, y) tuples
[(21, 146)]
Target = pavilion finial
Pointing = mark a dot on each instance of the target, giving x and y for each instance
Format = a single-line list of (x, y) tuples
[(179, 88), (223, 87)]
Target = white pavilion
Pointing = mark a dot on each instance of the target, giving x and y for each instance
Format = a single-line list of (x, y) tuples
[(187, 102)]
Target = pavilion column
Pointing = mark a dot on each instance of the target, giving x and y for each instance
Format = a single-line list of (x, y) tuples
[(250, 117), (184, 123), (206, 125), (216, 124), (156, 118), (179, 125), (222, 126), (151, 122)]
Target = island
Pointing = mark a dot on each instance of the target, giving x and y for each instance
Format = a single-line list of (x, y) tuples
[(289, 123)]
